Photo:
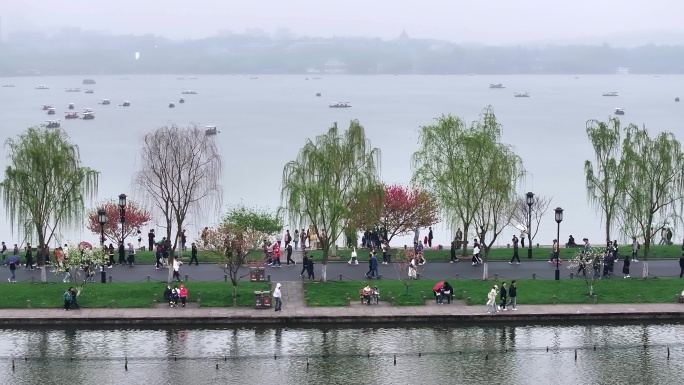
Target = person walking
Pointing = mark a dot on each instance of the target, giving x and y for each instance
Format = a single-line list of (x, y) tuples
[(503, 296), (454, 247), (276, 255), (353, 258), (288, 238), (555, 253), (305, 264), (4, 254), (131, 254), (13, 269), (110, 251), (374, 265), (176, 266), (430, 237), (491, 300), (67, 299), (159, 256), (277, 295), (625, 266), (279, 239), (513, 295), (515, 251), (310, 268), (681, 264), (122, 254), (295, 239), (385, 253), (635, 250), (150, 240), (29, 257), (302, 238), (193, 254), (289, 255)]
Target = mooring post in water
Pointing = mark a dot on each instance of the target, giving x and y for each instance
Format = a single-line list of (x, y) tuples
[(547, 349), (594, 347), (575, 354), (668, 356), (418, 354), (486, 356), (126, 364), (395, 360), (307, 362), (216, 366), (275, 357)]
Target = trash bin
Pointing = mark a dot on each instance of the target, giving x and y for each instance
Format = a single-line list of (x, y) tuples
[(258, 300), (261, 274), (253, 275), (266, 299)]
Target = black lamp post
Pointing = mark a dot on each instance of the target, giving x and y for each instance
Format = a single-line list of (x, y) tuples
[(102, 219), (122, 217), (559, 219), (529, 198)]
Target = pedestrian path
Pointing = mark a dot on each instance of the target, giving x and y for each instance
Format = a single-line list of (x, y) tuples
[(293, 295)]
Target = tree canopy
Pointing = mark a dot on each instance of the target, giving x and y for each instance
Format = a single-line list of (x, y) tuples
[(136, 218)]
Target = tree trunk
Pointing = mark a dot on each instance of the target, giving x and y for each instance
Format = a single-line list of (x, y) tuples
[(464, 241), (170, 276), (644, 273), (234, 289), (324, 268), (591, 289), (485, 271)]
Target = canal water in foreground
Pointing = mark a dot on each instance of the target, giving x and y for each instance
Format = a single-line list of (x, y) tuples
[(535, 354)]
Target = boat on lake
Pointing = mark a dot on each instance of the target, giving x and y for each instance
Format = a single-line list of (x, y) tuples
[(340, 105), (496, 86), (318, 94), (189, 92), (71, 106), (105, 102), (210, 130), (71, 115), (171, 105), (619, 111), (611, 93), (87, 110), (521, 95), (181, 100), (8, 85), (88, 81), (73, 90), (51, 124), (88, 115), (51, 111), (677, 99), (90, 91), (42, 87), (46, 107), (126, 103)]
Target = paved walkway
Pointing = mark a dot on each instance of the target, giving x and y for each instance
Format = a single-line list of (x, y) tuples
[(295, 312)]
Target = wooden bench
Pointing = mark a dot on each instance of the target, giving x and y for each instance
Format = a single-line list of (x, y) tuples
[(371, 297)]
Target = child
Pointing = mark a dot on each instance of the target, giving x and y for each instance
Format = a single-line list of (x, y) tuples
[(175, 294), (375, 294)]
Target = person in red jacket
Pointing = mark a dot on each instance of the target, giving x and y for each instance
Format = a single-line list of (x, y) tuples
[(183, 294), (276, 255)]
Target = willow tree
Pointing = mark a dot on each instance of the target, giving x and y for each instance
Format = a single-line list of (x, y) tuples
[(448, 165), (604, 190), (45, 185), (331, 173), (652, 169), (179, 174)]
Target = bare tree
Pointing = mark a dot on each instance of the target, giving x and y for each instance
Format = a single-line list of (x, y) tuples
[(521, 216), (179, 176)]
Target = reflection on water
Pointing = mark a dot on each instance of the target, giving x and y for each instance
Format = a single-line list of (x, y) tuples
[(606, 354)]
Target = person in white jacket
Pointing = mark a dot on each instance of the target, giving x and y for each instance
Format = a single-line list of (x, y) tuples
[(277, 295), (491, 300), (176, 266), (354, 258)]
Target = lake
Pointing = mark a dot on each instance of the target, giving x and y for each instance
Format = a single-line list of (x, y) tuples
[(264, 122), (606, 354)]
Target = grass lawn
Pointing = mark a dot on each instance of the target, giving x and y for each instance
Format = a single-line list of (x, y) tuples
[(505, 254), (536, 292), (126, 294)]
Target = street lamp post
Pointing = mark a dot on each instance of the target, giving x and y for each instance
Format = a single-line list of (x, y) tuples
[(102, 219), (559, 219), (122, 217), (529, 198)]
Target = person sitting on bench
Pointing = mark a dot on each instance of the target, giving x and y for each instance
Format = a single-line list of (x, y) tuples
[(447, 292), (571, 242), (367, 294)]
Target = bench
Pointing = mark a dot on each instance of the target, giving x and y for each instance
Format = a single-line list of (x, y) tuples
[(372, 300)]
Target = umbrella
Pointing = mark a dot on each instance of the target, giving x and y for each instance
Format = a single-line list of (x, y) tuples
[(13, 259), (438, 286), (86, 244)]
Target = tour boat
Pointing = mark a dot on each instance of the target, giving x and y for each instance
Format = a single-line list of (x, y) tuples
[(318, 94), (611, 93), (88, 115), (46, 107), (181, 100), (496, 86), (42, 87), (171, 105), (90, 92), (71, 115), (619, 111), (677, 99), (189, 92), (340, 105), (51, 111), (211, 130), (73, 90), (51, 124), (126, 104), (88, 81), (71, 106), (521, 95), (87, 110), (8, 85), (105, 102)]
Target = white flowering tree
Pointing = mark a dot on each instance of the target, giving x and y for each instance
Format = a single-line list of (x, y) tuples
[(591, 260), (76, 260)]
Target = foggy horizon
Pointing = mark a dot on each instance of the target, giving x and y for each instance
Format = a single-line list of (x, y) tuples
[(468, 21)]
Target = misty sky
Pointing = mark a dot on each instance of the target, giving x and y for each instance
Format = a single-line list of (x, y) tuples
[(485, 21)]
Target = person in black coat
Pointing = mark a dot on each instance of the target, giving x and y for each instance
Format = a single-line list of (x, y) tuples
[(305, 264), (503, 296), (310, 268), (681, 264), (625, 267)]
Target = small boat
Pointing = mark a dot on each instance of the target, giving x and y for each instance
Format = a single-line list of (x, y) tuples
[(193, 78), (8, 85), (180, 78), (211, 130), (73, 90), (677, 99), (611, 93), (42, 87), (126, 104), (71, 106), (171, 105), (619, 111), (90, 91), (51, 124), (189, 92), (51, 111), (181, 101), (496, 86), (88, 115), (340, 105), (521, 95), (318, 94), (105, 102), (254, 78), (46, 107), (71, 115), (88, 81)]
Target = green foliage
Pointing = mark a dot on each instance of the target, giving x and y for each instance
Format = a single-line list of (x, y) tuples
[(45, 186), (253, 219)]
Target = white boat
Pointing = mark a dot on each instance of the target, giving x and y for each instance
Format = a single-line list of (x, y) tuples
[(619, 111), (88, 81), (42, 87), (71, 115), (496, 86), (71, 106), (211, 130), (51, 111), (90, 91), (611, 93), (88, 115), (46, 107), (73, 90), (521, 95), (51, 124), (340, 105), (126, 103), (189, 92), (87, 111), (8, 85), (105, 102)]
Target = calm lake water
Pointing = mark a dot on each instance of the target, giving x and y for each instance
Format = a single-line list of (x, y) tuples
[(624, 354), (264, 122)]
